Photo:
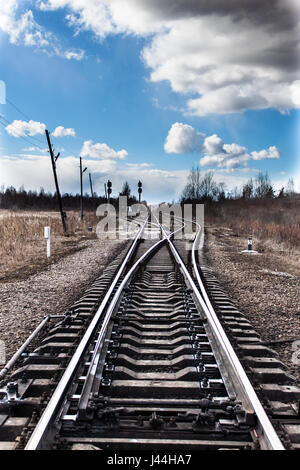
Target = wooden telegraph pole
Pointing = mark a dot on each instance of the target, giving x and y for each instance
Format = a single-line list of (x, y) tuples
[(53, 161), (91, 185)]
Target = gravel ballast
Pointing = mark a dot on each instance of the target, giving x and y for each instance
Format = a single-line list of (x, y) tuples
[(264, 287), (23, 304)]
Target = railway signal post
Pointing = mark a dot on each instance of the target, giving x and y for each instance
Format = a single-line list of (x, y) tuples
[(109, 185), (140, 190)]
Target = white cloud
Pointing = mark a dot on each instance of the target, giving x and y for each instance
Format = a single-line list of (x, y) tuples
[(35, 149), (34, 171), (213, 145), (231, 55), (22, 29), (226, 156), (230, 156), (104, 17), (183, 138), (226, 159), (272, 152), (74, 54), (101, 150), (227, 78), (23, 128), (138, 166), (70, 166), (61, 131)]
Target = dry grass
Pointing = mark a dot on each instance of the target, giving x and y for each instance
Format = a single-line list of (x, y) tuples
[(270, 221), (22, 243), (273, 224)]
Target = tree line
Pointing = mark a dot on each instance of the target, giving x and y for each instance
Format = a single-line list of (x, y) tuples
[(12, 198), (203, 188), (200, 188)]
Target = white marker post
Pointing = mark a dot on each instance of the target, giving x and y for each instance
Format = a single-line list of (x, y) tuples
[(47, 236), (250, 243)]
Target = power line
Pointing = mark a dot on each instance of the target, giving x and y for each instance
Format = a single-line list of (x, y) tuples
[(27, 117), (23, 114), (31, 137), (14, 106), (28, 139), (22, 137)]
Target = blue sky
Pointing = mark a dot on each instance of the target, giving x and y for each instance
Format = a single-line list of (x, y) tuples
[(144, 90)]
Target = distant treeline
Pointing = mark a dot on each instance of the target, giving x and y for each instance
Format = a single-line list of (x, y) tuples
[(12, 198), (202, 188)]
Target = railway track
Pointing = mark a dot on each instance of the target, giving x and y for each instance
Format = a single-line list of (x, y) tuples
[(153, 356)]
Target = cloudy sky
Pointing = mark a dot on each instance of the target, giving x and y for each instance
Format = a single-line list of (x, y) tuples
[(146, 89)]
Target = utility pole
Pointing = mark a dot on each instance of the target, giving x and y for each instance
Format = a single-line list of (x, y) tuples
[(81, 188), (53, 160), (91, 185)]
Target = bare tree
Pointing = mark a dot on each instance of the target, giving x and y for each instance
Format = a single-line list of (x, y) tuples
[(202, 187), (290, 188), (192, 188), (126, 191), (263, 186), (248, 189)]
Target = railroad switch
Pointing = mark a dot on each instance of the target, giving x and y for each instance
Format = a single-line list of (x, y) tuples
[(109, 416), (68, 318), (171, 423), (156, 421), (243, 417), (201, 419)]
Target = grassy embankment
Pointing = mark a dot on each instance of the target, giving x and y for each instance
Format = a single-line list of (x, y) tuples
[(274, 224), (22, 242)]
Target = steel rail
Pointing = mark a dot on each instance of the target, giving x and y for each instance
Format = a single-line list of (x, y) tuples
[(270, 436), (102, 333), (48, 416), (22, 348), (101, 336), (268, 430)]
